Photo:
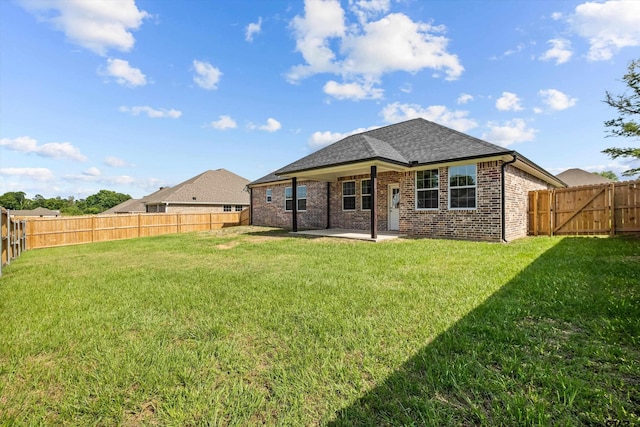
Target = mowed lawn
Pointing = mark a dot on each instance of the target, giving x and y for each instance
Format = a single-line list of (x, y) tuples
[(251, 326)]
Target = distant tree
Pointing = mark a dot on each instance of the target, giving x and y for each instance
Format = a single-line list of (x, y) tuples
[(15, 200), (103, 200), (608, 174), (628, 106)]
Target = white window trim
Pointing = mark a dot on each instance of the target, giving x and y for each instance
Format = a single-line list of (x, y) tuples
[(269, 195), (224, 208), (363, 194), (475, 179), (436, 189), (290, 198), (355, 196)]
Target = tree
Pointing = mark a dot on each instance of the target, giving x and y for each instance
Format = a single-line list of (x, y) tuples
[(608, 174), (15, 200), (628, 106), (103, 200)]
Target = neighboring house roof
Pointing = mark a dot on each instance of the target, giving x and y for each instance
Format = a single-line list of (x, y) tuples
[(35, 212), (126, 207), (211, 187), (408, 144), (575, 177)]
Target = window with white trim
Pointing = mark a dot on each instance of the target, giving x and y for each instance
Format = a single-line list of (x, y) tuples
[(226, 208), (302, 198), (239, 208), (462, 187), (427, 189), (269, 195), (365, 194), (349, 196)]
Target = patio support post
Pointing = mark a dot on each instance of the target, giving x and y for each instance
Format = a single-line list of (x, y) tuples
[(374, 204), (328, 205), (294, 205)]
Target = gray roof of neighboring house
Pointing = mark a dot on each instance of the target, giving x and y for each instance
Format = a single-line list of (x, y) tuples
[(35, 212), (575, 177), (128, 206), (211, 187), (411, 143)]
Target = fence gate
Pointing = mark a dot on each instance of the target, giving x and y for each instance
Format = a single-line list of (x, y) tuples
[(586, 210)]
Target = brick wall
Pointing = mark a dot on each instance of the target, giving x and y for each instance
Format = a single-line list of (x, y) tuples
[(517, 186), (482, 223), (274, 215)]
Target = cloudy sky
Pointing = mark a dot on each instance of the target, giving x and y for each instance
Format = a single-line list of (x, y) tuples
[(131, 95)]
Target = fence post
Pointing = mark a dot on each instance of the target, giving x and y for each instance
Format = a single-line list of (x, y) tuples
[(612, 209)]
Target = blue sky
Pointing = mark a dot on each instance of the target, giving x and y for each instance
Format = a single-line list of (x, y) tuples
[(131, 95)]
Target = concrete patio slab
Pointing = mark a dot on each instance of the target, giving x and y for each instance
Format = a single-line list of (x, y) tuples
[(350, 234)]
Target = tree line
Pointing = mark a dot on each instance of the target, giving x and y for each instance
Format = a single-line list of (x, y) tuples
[(94, 204)]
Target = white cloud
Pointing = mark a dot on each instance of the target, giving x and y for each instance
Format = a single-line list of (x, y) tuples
[(124, 73), (55, 150), (458, 120), (272, 125), (116, 162), (608, 26), (253, 29), (207, 76), (364, 51), (97, 25), (556, 16), (464, 98), (517, 49), (323, 20), (92, 171), (321, 139), (152, 112), (560, 51), (557, 100), (353, 91), (224, 122), (36, 174), (510, 132), (508, 102), (367, 9)]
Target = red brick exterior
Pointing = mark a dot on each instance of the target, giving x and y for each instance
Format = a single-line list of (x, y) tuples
[(482, 223)]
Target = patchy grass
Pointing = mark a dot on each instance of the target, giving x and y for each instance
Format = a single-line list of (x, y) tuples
[(251, 326)]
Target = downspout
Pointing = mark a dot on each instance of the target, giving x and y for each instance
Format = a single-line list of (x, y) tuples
[(504, 199)]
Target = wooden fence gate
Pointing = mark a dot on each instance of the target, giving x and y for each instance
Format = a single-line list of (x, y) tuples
[(586, 210)]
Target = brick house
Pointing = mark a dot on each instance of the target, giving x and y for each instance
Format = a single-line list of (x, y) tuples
[(417, 178), (212, 191)]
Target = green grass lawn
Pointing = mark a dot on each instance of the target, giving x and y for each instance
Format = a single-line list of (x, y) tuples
[(250, 326)]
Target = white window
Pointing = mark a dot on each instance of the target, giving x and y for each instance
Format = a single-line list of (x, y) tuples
[(349, 196), (226, 208), (302, 198), (238, 208), (462, 187), (365, 194), (269, 195), (427, 189)]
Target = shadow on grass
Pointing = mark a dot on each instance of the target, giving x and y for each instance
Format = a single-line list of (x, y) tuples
[(557, 345)]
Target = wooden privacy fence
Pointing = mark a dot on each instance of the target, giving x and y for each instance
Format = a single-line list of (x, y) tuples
[(13, 235), (586, 210), (74, 230)]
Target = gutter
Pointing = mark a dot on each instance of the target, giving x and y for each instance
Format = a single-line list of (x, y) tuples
[(504, 199)]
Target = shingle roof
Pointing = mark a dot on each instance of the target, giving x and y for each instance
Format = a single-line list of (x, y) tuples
[(214, 186), (574, 177), (128, 206), (416, 140), (40, 211)]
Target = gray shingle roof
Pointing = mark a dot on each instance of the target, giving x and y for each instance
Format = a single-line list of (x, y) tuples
[(214, 186), (574, 177), (416, 140)]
